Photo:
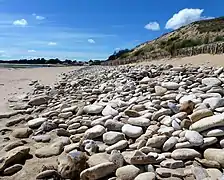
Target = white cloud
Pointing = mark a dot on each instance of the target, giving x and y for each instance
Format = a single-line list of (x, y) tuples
[(52, 43), (31, 51), (154, 26), (21, 22), (91, 41), (40, 17), (184, 17)]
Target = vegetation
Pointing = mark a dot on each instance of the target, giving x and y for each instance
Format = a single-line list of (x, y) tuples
[(120, 54)]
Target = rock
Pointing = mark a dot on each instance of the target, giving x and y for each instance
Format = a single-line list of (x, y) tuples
[(35, 123), (139, 121), (132, 131), (89, 146), (146, 176), (222, 143), (156, 142), (215, 155), (98, 171), (108, 110), (160, 90), (208, 122), (175, 124), (98, 158), (194, 138), (112, 125), (37, 101), (15, 156), (208, 163), (93, 109), (186, 98), (120, 145), (170, 85), (185, 124), (187, 107), (214, 102), (13, 145), (200, 114), (185, 154), (112, 137), (65, 115), (62, 132), (95, 132), (214, 173), (172, 164), (72, 164), (214, 132), (211, 81), (199, 172), (131, 113), (167, 173), (209, 141), (128, 172), (160, 113), (21, 132), (50, 150), (145, 80), (12, 169), (42, 138), (170, 143), (140, 158), (117, 158), (47, 174)]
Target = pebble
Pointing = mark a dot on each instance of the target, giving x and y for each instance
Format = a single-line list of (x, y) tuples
[(132, 131)]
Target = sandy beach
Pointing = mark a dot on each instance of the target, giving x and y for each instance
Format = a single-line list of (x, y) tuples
[(16, 81)]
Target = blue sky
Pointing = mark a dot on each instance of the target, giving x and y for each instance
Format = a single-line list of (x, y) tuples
[(90, 29)]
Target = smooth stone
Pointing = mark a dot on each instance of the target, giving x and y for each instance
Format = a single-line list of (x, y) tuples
[(170, 85), (199, 172), (139, 121), (170, 143), (128, 172), (93, 109), (13, 145), (209, 141), (146, 176), (108, 110), (98, 158), (221, 143), (157, 141), (12, 169), (186, 98), (208, 163), (50, 150), (160, 90), (211, 81), (208, 122), (65, 115), (98, 171), (175, 125), (185, 154), (172, 164), (200, 114), (112, 137), (160, 113), (37, 101), (185, 144), (214, 173), (117, 158), (46, 174), (101, 120), (14, 156), (168, 173), (214, 102), (113, 125), (131, 113), (22, 132), (194, 138), (140, 158), (185, 124), (35, 123), (132, 131), (215, 155), (215, 132), (42, 138), (120, 145), (95, 132), (145, 80)]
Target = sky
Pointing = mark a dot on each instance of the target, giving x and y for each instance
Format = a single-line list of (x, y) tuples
[(90, 29)]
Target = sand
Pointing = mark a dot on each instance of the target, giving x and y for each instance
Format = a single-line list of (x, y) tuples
[(16, 81)]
